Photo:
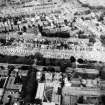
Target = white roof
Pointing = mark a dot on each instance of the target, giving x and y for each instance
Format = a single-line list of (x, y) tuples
[(32, 3), (47, 103), (89, 71), (1, 91)]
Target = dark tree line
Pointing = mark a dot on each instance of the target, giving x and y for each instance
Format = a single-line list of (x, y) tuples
[(30, 87), (20, 59)]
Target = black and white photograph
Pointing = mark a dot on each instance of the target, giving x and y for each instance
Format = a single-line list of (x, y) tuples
[(52, 52)]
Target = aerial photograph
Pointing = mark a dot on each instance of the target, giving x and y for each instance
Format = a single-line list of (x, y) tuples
[(52, 52)]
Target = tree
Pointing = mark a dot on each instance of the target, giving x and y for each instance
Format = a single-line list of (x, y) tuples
[(10, 68), (80, 100), (72, 59), (38, 101), (102, 73), (38, 56), (63, 65), (92, 39), (3, 41), (80, 60), (24, 29), (103, 99), (43, 77), (30, 87), (102, 39)]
